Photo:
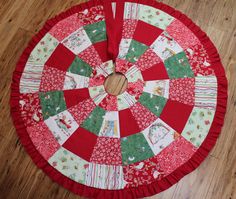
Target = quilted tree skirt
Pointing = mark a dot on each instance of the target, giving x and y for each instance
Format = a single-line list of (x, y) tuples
[(141, 141)]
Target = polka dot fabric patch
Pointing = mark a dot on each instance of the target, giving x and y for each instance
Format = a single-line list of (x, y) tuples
[(139, 142)]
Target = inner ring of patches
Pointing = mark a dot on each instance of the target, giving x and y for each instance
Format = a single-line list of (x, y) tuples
[(132, 134)]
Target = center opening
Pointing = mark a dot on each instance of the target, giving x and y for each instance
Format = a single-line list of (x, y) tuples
[(116, 84)]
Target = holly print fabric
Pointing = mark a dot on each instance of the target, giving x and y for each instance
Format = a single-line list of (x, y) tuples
[(107, 151), (142, 138)]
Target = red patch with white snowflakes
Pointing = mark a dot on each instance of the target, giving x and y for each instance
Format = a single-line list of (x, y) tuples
[(52, 79), (182, 90), (82, 110), (129, 27), (142, 115), (91, 56), (148, 60), (107, 151)]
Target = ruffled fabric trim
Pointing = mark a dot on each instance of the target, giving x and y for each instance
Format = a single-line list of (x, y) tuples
[(141, 191)]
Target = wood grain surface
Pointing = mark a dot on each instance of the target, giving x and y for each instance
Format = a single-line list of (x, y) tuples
[(21, 179)]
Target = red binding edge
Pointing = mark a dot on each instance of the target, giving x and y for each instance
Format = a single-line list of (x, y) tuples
[(144, 190)]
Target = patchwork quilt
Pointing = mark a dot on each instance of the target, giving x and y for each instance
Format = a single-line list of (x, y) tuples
[(135, 144)]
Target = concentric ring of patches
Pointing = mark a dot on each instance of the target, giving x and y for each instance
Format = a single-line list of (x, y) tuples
[(142, 135)]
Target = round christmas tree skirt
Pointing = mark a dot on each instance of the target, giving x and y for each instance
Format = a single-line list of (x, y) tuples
[(119, 99)]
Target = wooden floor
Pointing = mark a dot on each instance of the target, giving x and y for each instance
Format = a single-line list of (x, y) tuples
[(19, 177)]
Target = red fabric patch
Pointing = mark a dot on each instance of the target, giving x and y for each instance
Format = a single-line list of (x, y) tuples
[(135, 88), (159, 166), (81, 143), (109, 103), (182, 34), (92, 15), (107, 151), (102, 49), (176, 114), (91, 56), (61, 58), (96, 80), (199, 60), (129, 27), (43, 140), (82, 110), (143, 116), (65, 27), (156, 72), (52, 79), (31, 111), (146, 33), (128, 125), (148, 60), (73, 97), (142, 173), (122, 66), (182, 90), (175, 155)]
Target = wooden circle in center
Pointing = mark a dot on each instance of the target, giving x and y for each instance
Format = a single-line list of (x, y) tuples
[(116, 84)]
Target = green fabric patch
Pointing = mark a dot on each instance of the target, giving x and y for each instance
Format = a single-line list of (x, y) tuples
[(94, 122), (52, 103), (135, 51), (96, 32), (80, 67), (178, 66), (153, 102), (135, 148)]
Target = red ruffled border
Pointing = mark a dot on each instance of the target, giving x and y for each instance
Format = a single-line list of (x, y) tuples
[(141, 191)]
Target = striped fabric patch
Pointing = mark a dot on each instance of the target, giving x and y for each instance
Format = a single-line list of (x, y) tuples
[(105, 176), (31, 78), (206, 91)]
